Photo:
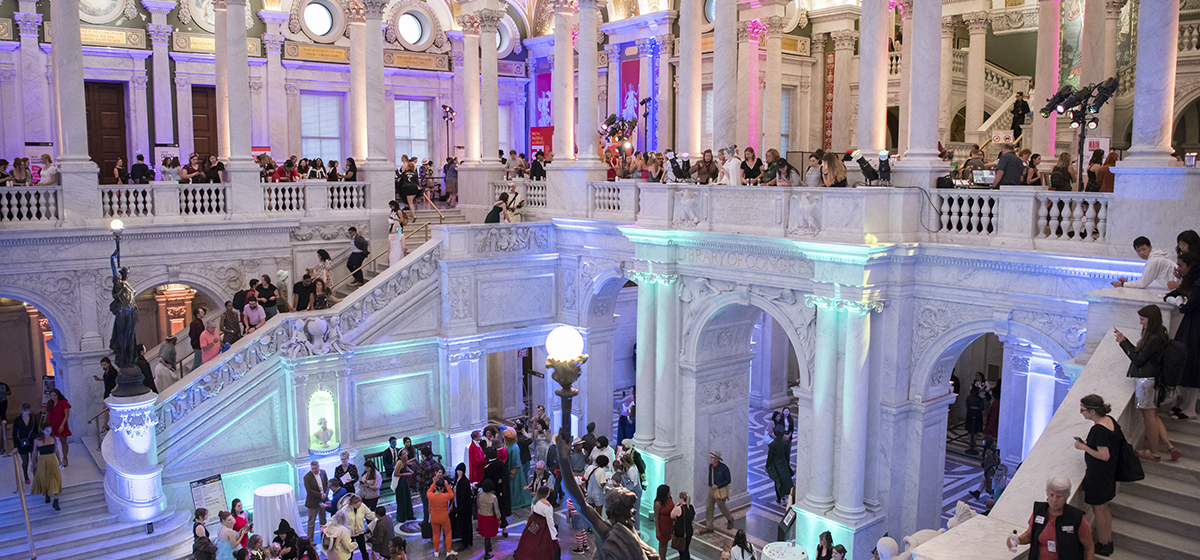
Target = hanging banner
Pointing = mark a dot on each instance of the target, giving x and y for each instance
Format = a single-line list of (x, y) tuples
[(543, 115), (828, 142)]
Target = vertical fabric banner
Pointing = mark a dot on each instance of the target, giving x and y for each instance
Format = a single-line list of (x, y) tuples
[(828, 142), (544, 115)]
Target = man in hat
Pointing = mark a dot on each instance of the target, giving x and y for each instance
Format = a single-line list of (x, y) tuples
[(718, 491), (578, 457), (779, 466)]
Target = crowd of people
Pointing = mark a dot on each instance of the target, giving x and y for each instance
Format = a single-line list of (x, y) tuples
[(1024, 167), (23, 175)]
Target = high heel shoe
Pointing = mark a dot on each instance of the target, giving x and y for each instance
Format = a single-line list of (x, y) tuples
[(1175, 455)]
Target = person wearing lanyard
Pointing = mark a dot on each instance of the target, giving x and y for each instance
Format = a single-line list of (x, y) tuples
[(1059, 530)]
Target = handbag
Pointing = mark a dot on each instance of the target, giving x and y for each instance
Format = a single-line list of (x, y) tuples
[(678, 542), (721, 493), (1129, 466)]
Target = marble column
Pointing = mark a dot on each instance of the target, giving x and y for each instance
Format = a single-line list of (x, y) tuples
[(843, 48), (1154, 85), (139, 115), (647, 314), (688, 99), (1112, 22), (277, 107), (471, 25), (589, 80), (359, 118), (725, 69), (221, 67), (662, 95), (294, 133), (1091, 69), (977, 24), (35, 91), (946, 81), (646, 47), (666, 365), (160, 37), (749, 104), (924, 65), (906, 62), (1046, 74), (773, 84), (613, 106), (133, 477), (489, 85), (872, 77), (820, 488), (77, 173), (816, 108), (852, 449), (183, 116), (240, 165), (563, 80), (12, 120)]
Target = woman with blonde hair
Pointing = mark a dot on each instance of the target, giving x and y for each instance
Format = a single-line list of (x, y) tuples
[(1062, 176), (833, 171), (335, 538)]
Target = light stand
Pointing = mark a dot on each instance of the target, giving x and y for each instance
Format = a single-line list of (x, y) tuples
[(646, 120), (448, 116), (1081, 103)]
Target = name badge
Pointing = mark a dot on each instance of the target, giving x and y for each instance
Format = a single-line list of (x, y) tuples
[(1068, 528), (1039, 520), (1050, 547)]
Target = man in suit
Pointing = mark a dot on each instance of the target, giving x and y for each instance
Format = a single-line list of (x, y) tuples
[(779, 467), (390, 456), (358, 254), (316, 487), (1019, 109)]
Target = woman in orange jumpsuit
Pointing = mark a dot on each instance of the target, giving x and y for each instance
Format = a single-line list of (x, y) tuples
[(440, 495)]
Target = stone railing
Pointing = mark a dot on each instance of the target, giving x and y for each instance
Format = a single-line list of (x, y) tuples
[(958, 63), (203, 199), (1072, 216), (996, 82), (971, 212), (894, 63), (1125, 77), (283, 197), (126, 200), (291, 336), (37, 206), (613, 201), (1189, 38)]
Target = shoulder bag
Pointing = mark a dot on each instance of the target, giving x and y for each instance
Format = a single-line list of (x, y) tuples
[(1129, 466)]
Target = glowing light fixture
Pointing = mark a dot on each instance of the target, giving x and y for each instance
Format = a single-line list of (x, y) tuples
[(564, 343), (117, 226)]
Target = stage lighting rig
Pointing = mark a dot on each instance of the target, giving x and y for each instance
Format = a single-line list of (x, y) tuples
[(868, 170), (885, 167), (1103, 92), (1053, 102)]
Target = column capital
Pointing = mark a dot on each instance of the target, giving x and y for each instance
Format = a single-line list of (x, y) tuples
[(906, 7), (817, 44), (977, 22), (489, 20), (355, 12), (666, 44), (183, 82), (550, 61), (843, 39), (139, 81), (28, 23), (613, 51), (949, 24), (373, 9), (646, 47), (273, 43), (470, 24), (750, 30), (773, 26), (160, 33), (563, 6), (838, 304), (8, 75), (162, 7), (590, 4), (1114, 7), (291, 90)]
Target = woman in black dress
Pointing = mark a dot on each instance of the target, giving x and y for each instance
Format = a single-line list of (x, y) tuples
[(1100, 480), (120, 173), (24, 430), (409, 188), (825, 546), (752, 168), (1188, 332), (499, 208), (464, 507)]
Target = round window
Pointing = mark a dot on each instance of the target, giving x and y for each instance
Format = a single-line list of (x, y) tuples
[(410, 28), (710, 10), (318, 19)]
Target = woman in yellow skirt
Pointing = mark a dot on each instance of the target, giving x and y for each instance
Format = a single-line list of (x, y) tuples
[(47, 476)]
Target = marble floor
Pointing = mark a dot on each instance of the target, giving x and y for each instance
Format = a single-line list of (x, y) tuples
[(963, 473)]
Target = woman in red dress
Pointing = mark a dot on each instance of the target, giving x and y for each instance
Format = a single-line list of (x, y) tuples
[(58, 415), (540, 538), (488, 514), (664, 525)]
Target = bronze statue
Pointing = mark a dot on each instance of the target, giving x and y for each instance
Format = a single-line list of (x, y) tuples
[(130, 381), (619, 539)]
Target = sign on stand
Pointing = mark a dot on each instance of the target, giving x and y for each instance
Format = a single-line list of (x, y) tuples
[(209, 493), (1098, 143), (1002, 137)]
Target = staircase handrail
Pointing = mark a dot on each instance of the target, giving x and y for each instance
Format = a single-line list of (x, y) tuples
[(278, 337), (101, 427), (24, 506), (377, 257)]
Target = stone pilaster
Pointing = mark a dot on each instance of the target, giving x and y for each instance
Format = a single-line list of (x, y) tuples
[(725, 72), (977, 24), (664, 132), (589, 80), (489, 88), (773, 88), (843, 48)]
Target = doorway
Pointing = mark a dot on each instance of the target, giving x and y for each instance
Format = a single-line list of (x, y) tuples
[(105, 102), (204, 122)]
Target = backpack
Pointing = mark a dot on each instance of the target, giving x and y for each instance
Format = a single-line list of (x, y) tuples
[(1173, 359), (1059, 179)]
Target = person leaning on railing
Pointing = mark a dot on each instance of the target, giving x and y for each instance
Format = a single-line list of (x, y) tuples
[(1055, 527)]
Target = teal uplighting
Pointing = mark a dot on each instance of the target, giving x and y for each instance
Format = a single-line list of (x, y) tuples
[(809, 527), (242, 484), (656, 475)]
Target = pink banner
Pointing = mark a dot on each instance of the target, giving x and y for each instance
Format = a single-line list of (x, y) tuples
[(544, 115)]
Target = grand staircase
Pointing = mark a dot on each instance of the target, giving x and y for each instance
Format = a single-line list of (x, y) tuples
[(419, 235), (85, 529), (1159, 517)]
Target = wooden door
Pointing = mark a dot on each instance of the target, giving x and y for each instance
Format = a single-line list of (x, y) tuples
[(204, 122), (106, 126)]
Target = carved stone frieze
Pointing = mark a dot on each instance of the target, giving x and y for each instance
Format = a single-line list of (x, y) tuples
[(976, 22), (160, 33), (838, 304), (461, 355), (720, 391), (1070, 332), (511, 239), (325, 232), (804, 214), (843, 39), (691, 208), (460, 298), (570, 290), (315, 336), (1014, 20), (470, 24), (28, 23)]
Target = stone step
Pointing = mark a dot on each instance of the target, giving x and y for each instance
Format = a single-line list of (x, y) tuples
[(1187, 442), (1164, 490), (1186, 469), (1153, 542), (79, 492), (113, 540), (1165, 515), (46, 525)]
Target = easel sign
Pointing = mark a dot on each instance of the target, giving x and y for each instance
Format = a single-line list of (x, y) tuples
[(1097, 143), (1002, 137), (209, 493)]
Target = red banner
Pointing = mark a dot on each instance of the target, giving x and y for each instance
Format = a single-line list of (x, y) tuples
[(627, 106), (540, 138)]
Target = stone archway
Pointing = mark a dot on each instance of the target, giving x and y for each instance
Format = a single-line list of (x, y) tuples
[(606, 341)]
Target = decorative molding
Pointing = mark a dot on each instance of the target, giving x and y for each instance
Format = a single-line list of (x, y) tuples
[(949, 24), (838, 304), (160, 33), (373, 9), (489, 20), (805, 208), (27, 24), (843, 39), (462, 355), (324, 232), (1009, 21), (651, 277), (139, 81), (256, 86), (460, 298), (646, 47), (1113, 8), (774, 26), (818, 45), (665, 42), (614, 53), (355, 12), (134, 422), (511, 239), (563, 6), (1070, 332), (291, 90), (721, 391), (183, 82), (273, 43), (314, 336)]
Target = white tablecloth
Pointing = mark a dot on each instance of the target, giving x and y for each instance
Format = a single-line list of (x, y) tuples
[(272, 503), (783, 551)]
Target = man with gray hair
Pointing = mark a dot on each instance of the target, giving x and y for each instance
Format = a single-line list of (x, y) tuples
[(1009, 169)]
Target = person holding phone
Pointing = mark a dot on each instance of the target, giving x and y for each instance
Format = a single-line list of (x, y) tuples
[(1100, 479), (1145, 364)]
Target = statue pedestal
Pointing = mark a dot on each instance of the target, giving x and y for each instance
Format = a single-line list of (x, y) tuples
[(133, 479)]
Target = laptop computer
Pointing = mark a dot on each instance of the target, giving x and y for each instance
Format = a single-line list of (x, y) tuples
[(983, 177)]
